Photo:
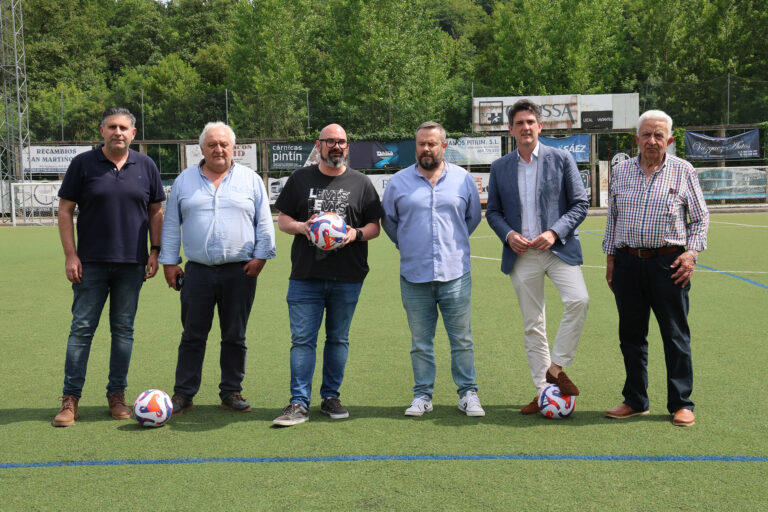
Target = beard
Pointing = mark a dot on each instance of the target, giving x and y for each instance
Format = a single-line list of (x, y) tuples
[(429, 162), (335, 159)]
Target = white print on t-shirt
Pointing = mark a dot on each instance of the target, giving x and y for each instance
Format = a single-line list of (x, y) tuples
[(328, 200)]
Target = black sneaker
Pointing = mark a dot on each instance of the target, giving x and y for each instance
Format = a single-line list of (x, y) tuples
[(181, 404), (235, 402), (333, 408), (292, 415)]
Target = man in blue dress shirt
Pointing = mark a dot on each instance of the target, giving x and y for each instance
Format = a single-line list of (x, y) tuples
[(228, 236), (430, 209)]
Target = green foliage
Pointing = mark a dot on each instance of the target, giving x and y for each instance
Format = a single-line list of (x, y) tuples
[(376, 66)]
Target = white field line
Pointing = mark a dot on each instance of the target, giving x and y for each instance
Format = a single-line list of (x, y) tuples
[(697, 270), (737, 224)]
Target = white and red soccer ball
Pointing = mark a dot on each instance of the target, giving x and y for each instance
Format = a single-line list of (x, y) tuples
[(553, 404), (327, 231), (153, 408)]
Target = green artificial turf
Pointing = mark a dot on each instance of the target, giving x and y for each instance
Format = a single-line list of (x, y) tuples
[(729, 333)]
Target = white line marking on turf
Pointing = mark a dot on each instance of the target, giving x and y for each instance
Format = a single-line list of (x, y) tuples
[(737, 224), (697, 270)]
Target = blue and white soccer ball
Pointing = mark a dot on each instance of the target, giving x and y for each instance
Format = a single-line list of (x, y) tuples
[(327, 231), (553, 404), (153, 408)]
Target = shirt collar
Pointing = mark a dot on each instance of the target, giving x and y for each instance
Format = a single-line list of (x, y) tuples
[(534, 154)]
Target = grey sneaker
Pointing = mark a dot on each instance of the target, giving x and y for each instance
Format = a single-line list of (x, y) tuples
[(292, 415), (419, 406), (235, 402), (470, 404), (333, 408)]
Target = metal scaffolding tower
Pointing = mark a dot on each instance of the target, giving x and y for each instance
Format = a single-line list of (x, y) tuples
[(14, 120)]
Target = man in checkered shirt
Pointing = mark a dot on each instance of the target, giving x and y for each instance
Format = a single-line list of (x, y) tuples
[(657, 225)]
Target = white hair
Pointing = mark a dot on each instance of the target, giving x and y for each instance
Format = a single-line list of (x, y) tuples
[(656, 115), (217, 124)]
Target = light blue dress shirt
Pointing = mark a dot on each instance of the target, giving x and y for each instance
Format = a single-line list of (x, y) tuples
[(431, 225), (527, 181), (227, 224)]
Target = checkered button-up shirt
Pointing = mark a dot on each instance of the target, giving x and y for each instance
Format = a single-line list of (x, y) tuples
[(666, 209)]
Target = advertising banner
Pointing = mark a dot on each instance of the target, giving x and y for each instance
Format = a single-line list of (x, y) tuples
[(243, 154), (702, 147), (382, 155), (473, 150), (733, 182), (577, 145), (289, 155), (49, 159), (568, 112)]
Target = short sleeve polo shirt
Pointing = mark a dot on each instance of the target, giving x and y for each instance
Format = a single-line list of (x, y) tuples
[(113, 220)]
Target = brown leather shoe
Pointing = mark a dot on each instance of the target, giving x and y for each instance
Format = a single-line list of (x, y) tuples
[(566, 385), (683, 418), (117, 407), (531, 408), (623, 411), (68, 412)]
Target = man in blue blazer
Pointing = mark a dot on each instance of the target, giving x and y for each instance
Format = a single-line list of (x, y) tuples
[(536, 199)]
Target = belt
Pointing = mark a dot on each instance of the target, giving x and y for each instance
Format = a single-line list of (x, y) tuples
[(643, 253)]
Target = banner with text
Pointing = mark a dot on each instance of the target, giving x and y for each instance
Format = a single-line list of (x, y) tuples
[(473, 150), (243, 154), (382, 155), (290, 155), (50, 159), (702, 147), (577, 145)]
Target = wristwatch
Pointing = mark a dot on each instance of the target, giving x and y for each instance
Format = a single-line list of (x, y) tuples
[(359, 235), (695, 256)]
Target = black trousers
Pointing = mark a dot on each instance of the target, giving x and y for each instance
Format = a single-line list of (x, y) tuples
[(641, 286), (228, 288)]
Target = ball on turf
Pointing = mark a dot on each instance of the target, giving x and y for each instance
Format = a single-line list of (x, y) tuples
[(327, 231), (153, 408), (553, 404)]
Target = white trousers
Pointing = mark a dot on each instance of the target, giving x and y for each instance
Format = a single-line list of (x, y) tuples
[(527, 277)]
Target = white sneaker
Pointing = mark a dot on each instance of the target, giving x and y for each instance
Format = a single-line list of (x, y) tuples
[(419, 406), (470, 404)]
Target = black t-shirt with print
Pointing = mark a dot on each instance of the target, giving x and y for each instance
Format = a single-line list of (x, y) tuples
[(353, 197)]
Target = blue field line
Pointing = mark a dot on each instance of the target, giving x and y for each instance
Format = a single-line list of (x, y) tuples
[(729, 274), (376, 458), (761, 285)]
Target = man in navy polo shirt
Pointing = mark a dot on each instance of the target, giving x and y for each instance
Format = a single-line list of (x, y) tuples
[(119, 197)]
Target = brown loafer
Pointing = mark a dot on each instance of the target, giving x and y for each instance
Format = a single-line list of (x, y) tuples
[(683, 418), (566, 385), (531, 408), (623, 411)]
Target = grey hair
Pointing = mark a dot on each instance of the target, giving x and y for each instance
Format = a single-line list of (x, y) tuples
[(217, 124), (656, 115), (118, 111), (431, 125)]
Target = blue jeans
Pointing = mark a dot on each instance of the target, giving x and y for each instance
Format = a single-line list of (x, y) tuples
[(307, 298), (122, 282), (421, 302)]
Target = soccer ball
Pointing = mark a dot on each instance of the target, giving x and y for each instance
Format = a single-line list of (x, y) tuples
[(153, 408), (553, 404), (327, 231)]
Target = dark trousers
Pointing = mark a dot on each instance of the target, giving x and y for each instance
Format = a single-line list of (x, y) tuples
[(641, 286), (231, 290)]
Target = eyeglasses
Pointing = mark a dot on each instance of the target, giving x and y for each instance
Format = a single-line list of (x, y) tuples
[(329, 143)]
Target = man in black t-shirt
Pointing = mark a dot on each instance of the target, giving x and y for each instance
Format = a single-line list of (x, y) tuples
[(320, 281), (119, 197)]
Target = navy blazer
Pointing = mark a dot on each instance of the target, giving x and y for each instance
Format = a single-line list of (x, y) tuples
[(562, 203)]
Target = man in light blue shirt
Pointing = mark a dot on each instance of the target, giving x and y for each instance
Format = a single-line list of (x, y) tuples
[(228, 235), (430, 209)]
